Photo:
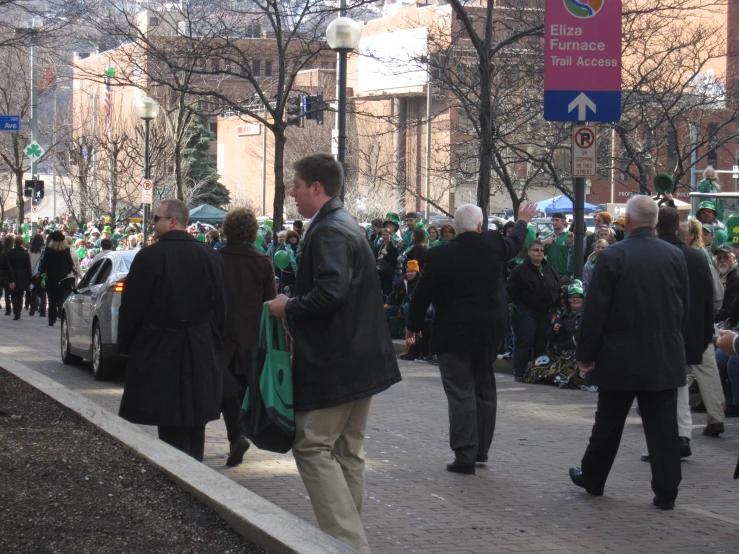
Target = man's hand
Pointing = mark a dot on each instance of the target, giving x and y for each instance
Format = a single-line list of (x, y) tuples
[(277, 306), (527, 212), (725, 342), (586, 368), (548, 242), (410, 337), (556, 327)]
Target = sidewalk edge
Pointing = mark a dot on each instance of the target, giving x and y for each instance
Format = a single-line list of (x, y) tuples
[(255, 518)]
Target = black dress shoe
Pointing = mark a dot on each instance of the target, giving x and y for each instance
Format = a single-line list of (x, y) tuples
[(578, 478), (685, 447), (459, 467), (8, 313), (16, 317), (482, 459), (662, 504), (713, 429), (237, 451)]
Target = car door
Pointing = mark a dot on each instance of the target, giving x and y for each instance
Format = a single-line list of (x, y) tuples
[(90, 300), (78, 334)]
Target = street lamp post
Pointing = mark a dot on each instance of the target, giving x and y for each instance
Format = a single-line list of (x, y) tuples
[(342, 36), (147, 109)]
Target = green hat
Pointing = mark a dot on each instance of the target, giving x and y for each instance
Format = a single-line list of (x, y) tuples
[(664, 184), (575, 288), (392, 217), (107, 229), (707, 205), (422, 223), (530, 236), (268, 225), (720, 236), (732, 227), (559, 215)]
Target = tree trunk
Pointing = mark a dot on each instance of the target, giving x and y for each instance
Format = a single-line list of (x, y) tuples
[(279, 202), (486, 143), (178, 174)]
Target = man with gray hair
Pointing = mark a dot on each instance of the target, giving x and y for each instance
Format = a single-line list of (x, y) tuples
[(464, 279), (631, 346)]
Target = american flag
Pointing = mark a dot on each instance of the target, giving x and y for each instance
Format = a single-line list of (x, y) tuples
[(106, 102)]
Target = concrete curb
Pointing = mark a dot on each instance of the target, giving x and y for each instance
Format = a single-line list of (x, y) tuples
[(250, 515)]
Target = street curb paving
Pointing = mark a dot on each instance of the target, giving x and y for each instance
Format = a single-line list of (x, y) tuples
[(250, 515)]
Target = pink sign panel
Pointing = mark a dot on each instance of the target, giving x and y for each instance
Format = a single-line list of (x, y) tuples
[(583, 45)]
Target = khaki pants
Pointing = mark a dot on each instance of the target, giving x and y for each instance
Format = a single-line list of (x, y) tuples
[(329, 454), (709, 384)]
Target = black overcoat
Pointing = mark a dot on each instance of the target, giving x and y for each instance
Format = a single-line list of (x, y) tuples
[(20, 261), (634, 316), (465, 280), (699, 332), (250, 282), (171, 325), (342, 350)]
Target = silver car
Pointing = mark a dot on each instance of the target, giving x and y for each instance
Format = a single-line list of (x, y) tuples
[(90, 315)]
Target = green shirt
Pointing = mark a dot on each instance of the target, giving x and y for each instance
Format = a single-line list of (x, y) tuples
[(558, 253)]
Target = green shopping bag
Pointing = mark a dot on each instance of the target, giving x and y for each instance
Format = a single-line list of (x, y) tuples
[(268, 412)]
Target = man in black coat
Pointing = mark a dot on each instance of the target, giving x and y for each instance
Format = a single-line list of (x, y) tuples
[(631, 346), (342, 351), (464, 279), (171, 326), (20, 261), (699, 332)]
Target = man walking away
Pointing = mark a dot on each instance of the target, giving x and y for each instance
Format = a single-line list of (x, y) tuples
[(631, 346), (171, 327), (342, 352), (464, 279), (20, 261)]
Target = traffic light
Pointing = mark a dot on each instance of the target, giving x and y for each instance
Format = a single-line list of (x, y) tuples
[(313, 107), (28, 188), (38, 190), (295, 110)]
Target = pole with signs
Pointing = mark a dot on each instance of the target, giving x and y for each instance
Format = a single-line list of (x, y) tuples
[(582, 82)]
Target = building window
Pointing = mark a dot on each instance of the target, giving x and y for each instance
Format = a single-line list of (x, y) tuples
[(671, 151), (214, 130), (215, 64), (268, 68), (256, 68), (153, 22), (712, 155)]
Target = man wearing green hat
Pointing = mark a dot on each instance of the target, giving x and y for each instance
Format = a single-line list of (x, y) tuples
[(556, 247), (708, 215), (107, 234), (392, 221)]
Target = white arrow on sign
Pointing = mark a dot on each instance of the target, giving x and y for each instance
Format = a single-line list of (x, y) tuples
[(581, 103)]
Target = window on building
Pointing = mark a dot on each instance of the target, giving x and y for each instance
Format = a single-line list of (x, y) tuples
[(256, 68), (268, 68), (153, 22), (215, 64), (214, 129), (712, 154)]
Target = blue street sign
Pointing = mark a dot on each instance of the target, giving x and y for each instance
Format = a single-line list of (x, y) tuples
[(575, 105), (10, 123)]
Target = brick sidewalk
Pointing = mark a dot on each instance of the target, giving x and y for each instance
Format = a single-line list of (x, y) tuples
[(522, 501)]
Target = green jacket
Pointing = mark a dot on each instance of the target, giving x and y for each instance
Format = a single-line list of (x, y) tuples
[(558, 253)]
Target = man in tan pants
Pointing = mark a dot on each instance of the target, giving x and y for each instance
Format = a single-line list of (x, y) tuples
[(342, 351), (709, 383)]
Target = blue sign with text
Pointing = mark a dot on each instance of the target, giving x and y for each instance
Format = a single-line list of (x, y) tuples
[(10, 123), (575, 105)]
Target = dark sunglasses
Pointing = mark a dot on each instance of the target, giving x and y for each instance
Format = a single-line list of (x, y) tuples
[(157, 217)]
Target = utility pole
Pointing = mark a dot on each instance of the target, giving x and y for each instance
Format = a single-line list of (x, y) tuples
[(428, 134), (341, 101)]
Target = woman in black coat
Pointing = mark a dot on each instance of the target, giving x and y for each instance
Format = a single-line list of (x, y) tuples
[(250, 282), (57, 264), (534, 289), (387, 258), (21, 264), (6, 275)]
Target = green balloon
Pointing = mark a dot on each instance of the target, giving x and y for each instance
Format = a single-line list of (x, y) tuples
[(282, 259), (110, 71)]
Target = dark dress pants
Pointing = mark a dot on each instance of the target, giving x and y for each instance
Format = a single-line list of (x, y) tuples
[(658, 413), (38, 300), (8, 301), (17, 298), (56, 301), (191, 440), (469, 384), (529, 337)]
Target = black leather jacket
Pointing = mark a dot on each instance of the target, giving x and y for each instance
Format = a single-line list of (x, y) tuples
[(342, 349)]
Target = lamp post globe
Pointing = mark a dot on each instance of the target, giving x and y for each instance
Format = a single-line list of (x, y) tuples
[(147, 108), (342, 34)]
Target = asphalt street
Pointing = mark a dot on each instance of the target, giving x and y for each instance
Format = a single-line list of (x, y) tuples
[(522, 501)]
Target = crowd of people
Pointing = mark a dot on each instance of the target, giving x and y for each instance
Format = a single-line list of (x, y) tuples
[(640, 324)]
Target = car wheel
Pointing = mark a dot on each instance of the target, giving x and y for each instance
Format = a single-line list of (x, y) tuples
[(67, 357), (102, 369)]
